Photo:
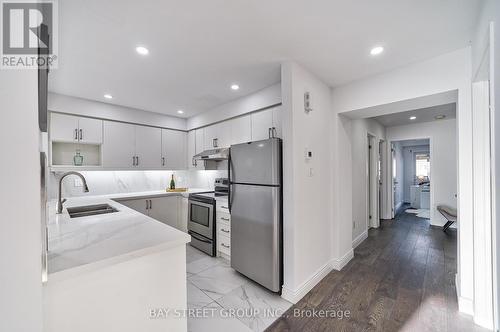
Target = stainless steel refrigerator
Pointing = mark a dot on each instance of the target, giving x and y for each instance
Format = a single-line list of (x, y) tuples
[(255, 203)]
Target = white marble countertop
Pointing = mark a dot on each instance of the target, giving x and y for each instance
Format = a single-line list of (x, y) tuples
[(87, 243)]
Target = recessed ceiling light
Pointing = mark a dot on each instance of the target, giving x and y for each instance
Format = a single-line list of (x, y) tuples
[(235, 87), (180, 111), (413, 117), (108, 96), (376, 50), (440, 117), (142, 50)]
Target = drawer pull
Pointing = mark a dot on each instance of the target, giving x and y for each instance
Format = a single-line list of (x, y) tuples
[(224, 207), (224, 230), (225, 246), (226, 219)]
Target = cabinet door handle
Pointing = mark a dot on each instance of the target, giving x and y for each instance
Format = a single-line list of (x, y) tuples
[(133, 160), (136, 160), (76, 134), (224, 230), (269, 130), (225, 246), (226, 219), (147, 204), (274, 132), (163, 161), (81, 134), (150, 204), (224, 207)]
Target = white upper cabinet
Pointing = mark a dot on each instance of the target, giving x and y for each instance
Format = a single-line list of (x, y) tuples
[(241, 129), (199, 140), (223, 130), (210, 137), (262, 123), (148, 147), (266, 124), (119, 145), (173, 144), (68, 128), (191, 148), (277, 122), (90, 131)]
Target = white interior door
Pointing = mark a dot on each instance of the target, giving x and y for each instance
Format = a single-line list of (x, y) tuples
[(119, 145), (148, 147)]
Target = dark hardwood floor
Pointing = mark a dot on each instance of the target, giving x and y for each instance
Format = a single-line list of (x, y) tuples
[(402, 278)]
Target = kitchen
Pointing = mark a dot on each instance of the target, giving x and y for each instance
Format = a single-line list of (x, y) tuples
[(127, 171)]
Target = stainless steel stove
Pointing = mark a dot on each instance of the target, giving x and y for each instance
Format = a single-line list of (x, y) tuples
[(201, 217)]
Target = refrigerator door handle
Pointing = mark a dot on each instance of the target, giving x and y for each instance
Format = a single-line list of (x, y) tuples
[(229, 166)]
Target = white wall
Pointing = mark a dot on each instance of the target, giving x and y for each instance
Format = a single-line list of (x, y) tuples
[(261, 99), (20, 231), (409, 168), (307, 194), (79, 106), (360, 128), (442, 135), (441, 74)]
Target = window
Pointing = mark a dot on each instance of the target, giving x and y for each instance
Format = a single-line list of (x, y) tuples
[(422, 166)]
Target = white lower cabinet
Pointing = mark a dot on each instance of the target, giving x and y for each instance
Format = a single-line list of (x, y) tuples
[(223, 226), (164, 209)]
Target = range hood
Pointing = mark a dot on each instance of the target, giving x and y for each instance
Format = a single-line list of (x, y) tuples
[(215, 154)]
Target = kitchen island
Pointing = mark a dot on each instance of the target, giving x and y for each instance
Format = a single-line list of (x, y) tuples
[(114, 271)]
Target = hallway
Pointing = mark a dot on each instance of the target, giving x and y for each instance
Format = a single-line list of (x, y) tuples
[(402, 278)]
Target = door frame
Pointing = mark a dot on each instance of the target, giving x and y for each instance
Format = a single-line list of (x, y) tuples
[(372, 190)]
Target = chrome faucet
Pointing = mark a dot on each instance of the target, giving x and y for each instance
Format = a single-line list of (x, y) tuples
[(61, 201)]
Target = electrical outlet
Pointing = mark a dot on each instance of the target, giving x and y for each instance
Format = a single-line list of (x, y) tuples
[(78, 182)]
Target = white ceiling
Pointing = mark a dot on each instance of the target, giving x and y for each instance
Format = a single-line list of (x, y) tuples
[(198, 47), (422, 115)]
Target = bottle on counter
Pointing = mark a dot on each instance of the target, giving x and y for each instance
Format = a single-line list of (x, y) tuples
[(172, 183), (78, 158)]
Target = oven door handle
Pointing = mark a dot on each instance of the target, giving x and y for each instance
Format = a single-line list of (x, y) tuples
[(197, 238)]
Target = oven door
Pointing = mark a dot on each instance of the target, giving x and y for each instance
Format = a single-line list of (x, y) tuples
[(201, 218)]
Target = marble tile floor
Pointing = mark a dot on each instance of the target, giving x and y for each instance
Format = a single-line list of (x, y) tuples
[(221, 299)]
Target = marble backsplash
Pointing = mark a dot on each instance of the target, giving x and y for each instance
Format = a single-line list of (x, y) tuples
[(112, 182)]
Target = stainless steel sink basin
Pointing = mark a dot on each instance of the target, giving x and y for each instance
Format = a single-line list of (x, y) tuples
[(90, 210)]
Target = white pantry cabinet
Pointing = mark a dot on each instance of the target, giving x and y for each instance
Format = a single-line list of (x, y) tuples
[(173, 146), (75, 129)]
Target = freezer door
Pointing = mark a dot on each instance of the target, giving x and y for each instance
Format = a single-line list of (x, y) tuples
[(256, 234), (256, 162)]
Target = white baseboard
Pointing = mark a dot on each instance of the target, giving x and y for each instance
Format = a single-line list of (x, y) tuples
[(338, 264), (465, 305), (357, 241), (294, 296)]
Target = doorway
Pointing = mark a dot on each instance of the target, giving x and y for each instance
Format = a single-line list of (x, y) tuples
[(373, 179)]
